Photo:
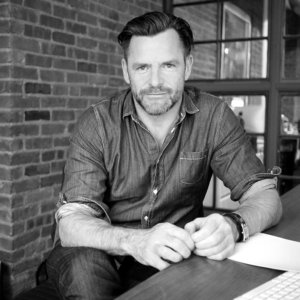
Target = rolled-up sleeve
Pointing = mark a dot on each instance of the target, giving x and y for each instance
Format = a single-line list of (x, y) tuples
[(234, 159), (84, 173)]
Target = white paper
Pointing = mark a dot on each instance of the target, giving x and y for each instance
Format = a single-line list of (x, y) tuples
[(269, 251)]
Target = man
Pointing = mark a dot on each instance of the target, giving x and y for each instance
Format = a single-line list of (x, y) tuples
[(139, 166)]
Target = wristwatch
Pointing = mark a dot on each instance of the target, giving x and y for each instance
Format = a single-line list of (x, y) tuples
[(241, 226)]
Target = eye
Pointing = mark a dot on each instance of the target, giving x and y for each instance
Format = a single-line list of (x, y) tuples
[(142, 68), (169, 66)]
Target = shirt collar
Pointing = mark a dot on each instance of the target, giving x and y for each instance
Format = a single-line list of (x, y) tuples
[(187, 106)]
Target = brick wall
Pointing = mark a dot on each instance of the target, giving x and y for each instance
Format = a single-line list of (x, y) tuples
[(56, 58)]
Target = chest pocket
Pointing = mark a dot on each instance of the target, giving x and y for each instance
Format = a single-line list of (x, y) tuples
[(192, 166)]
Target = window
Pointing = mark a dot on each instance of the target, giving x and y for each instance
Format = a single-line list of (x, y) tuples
[(248, 52)]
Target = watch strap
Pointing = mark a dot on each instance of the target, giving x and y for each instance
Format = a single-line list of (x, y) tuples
[(241, 225)]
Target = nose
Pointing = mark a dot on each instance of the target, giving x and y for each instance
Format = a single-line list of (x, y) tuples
[(156, 79)]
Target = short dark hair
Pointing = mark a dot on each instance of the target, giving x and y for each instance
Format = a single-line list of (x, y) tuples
[(153, 23)]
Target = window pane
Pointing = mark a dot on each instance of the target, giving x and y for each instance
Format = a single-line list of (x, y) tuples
[(244, 59), (242, 19), (202, 19), (287, 184), (292, 17), (205, 61), (186, 1), (290, 115), (292, 58), (289, 156), (251, 110)]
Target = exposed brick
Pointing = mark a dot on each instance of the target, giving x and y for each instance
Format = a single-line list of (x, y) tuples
[(53, 49), (87, 18), (38, 60), (52, 22), (17, 130), (24, 158), (34, 170), (78, 53), (4, 11), (64, 12), (60, 154), (37, 32), (11, 144), (33, 115), (78, 4), (25, 73), (57, 166), (63, 38), (46, 207), (26, 238), (77, 77), (76, 28), (60, 89), (48, 155), (38, 143), (53, 102), (23, 43), (87, 43), (38, 5), (23, 13), (77, 103), (51, 179), (11, 87), (5, 25), (6, 243), (101, 57), (89, 91), (51, 75), (5, 42), (53, 129), (5, 56), (117, 82), (66, 64), (10, 117), (86, 67), (63, 115), (37, 88), (97, 33), (25, 185)]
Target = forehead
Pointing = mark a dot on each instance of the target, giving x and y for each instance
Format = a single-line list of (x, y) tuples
[(166, 44)]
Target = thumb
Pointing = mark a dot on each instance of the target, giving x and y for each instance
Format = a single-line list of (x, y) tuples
[(195, 225)]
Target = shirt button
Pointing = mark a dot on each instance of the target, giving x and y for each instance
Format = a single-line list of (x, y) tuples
[(146, 218), (155, 191)]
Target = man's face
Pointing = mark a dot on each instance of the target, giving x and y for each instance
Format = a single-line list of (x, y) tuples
[(156, 68)]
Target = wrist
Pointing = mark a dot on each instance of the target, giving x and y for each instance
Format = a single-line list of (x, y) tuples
[(240, 225), (234, 228)]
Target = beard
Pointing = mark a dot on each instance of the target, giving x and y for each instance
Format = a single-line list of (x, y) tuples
[(162, 100)]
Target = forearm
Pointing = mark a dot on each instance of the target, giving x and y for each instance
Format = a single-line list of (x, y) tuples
[(83, 229), (261, 206)]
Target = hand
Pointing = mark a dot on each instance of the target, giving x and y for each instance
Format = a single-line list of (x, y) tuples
[(161, 245), (213, 236)]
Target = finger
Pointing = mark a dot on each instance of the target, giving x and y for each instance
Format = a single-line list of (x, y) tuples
[(179, 247), (190, 227), (160, 263), (211, 241), (180, 234), (220, 251), (170, 255)]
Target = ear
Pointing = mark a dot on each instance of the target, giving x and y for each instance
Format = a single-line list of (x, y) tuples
[(125, 71), (188, 66)]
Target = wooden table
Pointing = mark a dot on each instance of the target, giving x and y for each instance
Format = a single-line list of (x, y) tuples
[(205, 279)]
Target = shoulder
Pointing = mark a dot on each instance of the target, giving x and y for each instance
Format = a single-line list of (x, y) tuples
[(204, 101)]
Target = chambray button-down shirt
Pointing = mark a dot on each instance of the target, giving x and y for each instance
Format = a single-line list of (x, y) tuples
[(116, 167)]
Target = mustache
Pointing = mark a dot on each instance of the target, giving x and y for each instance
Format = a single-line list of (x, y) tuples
[(156, 90)]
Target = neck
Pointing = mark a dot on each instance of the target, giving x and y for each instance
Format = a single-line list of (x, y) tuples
[(160, 125)]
